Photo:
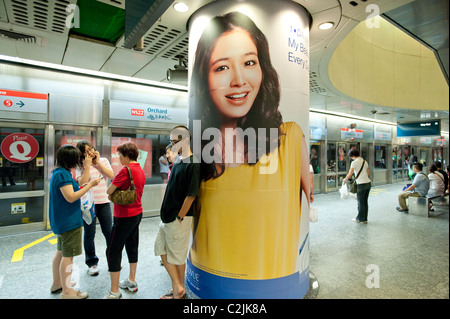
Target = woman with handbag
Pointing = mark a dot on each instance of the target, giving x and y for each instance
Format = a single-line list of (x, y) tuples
[(127, 218), (362, 181)]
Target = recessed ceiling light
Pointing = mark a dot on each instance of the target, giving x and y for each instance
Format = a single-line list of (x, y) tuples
[(181, 7), (326, 25)]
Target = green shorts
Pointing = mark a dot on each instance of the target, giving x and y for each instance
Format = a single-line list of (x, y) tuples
[(69, 242)]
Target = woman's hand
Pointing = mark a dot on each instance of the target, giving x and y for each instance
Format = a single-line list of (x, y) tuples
[(87, 160), (95, 182)]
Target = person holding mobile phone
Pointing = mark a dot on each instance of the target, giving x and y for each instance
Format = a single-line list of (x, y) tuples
[(93, 166)]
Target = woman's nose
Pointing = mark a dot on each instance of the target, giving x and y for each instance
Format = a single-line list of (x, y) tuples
[(238, 78)]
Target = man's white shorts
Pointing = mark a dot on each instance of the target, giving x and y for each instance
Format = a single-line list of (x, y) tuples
[(173, 240)]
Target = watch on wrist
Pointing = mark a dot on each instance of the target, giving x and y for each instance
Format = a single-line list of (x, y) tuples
[(180, 218)]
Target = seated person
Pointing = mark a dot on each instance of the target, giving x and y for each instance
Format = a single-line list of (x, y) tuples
[(444, 174), (437, 182), (419, 187)]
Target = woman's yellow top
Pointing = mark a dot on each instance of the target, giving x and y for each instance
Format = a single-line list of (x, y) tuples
[(249, 223)]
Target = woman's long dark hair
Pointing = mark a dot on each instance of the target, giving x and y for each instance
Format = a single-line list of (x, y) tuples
[(264, 111)]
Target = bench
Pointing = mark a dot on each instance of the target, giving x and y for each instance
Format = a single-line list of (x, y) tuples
[(420, 206)]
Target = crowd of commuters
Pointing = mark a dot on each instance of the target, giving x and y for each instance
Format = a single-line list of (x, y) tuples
[(80, 170)]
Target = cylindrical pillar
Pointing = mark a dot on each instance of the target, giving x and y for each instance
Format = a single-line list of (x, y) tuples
[(249, 115)]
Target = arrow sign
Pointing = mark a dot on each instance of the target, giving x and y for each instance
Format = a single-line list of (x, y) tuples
[(15, 101)]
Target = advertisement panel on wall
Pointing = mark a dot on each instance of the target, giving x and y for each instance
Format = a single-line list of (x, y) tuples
[(248, 112), (144, 146)]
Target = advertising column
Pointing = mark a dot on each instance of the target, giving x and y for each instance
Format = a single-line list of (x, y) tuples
[(248, 114)]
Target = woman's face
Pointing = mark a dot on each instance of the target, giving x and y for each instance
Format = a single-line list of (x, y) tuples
[(124, 160), (235, 74)]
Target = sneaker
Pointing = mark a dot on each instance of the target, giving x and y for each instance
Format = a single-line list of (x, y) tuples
[(111, 295), (402, 210), (93, 270), (355, 220), (130, 285)]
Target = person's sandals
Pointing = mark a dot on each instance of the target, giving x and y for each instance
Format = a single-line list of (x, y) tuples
[(57, 289), (79, 295)]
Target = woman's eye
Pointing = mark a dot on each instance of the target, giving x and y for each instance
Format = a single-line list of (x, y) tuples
[(250, 63), (221, 68)]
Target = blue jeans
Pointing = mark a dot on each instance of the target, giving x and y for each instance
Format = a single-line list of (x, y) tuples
[(104, 216), (362, 196)]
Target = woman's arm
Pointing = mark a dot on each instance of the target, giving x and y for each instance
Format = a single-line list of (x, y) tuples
[(304, 181), (108, 172), (350, 173), (87, 168), (111, 189), (71, 196)]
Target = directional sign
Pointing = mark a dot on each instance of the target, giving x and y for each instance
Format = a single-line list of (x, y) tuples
[(19, 101)]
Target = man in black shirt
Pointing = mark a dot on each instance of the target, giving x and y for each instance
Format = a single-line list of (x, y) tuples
[(172, 240)]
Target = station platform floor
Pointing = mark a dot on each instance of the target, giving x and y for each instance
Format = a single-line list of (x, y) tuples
[(394, 256)]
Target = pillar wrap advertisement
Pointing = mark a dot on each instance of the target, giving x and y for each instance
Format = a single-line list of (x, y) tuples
[(248, 115)]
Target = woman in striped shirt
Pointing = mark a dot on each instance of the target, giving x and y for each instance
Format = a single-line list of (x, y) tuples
[(93, 166)]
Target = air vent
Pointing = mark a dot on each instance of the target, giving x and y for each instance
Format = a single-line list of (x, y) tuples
[(179, 48), (313, 85), (161, 39), (5, 34), (44, 15)]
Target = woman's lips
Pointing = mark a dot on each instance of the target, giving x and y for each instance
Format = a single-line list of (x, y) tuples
[(237, 97)]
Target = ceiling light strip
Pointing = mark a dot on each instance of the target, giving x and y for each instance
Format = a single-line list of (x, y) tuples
[(96, 74), (350, 116)]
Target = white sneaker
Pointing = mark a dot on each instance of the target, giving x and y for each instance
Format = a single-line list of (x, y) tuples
[(130, 285), (111, 295), (93, 270)]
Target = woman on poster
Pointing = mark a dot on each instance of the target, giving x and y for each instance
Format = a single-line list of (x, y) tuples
[(248, 220)]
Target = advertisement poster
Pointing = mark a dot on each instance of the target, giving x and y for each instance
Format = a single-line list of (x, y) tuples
[(145, 153), (248, 113)]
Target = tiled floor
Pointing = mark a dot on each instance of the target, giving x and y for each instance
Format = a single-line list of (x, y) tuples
[(398, 255)]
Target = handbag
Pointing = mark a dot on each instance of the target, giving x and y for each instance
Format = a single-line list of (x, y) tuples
[(352, 187), (127, 196)]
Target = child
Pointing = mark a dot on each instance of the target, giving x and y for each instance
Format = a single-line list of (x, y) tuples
[(65, 219)]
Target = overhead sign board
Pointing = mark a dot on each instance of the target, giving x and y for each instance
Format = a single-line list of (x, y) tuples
[(428, 128), (351, 133), (147, 113), (20, 101)]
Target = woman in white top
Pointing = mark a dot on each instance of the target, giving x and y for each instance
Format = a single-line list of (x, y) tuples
[(93, 166), (437, 185), (363, 184)]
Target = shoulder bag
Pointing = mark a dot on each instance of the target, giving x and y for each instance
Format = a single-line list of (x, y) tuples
[(127, 196), (352, 187)]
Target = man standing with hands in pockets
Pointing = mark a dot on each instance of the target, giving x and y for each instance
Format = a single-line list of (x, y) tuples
[(172, 240)]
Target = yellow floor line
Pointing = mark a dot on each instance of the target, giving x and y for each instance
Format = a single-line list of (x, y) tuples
[(18, 253)]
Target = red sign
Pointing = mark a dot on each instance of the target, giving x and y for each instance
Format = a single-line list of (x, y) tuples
[(137, 112), (19, 147)]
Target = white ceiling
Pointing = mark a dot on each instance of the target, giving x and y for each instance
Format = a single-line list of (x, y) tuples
[(167, 38)]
